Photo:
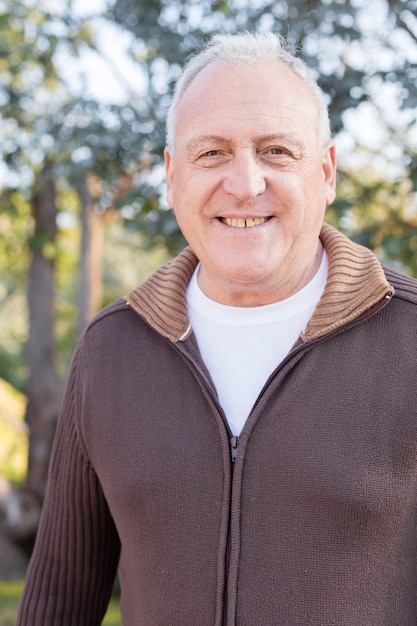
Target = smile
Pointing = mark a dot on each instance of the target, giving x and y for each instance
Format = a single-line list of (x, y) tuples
[(244, 223)]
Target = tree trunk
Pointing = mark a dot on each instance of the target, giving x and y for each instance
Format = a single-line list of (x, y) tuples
[(44, 386), (90, 289)]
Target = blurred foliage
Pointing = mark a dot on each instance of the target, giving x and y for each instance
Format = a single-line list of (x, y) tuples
[(15, 231), (363, 53), (380, 214), (13, 434), (360, 52)]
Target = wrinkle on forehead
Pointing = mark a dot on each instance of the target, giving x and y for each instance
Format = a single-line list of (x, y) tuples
[(267, 100)]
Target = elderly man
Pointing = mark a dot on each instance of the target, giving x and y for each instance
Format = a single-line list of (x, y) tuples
[(239, 434)]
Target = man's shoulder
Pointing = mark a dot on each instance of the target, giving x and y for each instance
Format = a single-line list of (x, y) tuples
[(112, 309), (113, 320), (405, 286)]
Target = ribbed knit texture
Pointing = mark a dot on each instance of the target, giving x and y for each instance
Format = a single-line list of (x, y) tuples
[(85, 528), (355, 283), (315, 525), (161, 300)]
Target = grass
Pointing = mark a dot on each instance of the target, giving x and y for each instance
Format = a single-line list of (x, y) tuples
[(9, 599), (10, 593)]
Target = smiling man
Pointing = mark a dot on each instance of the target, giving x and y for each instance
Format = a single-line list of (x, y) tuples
[(238, 437), (249, 178)]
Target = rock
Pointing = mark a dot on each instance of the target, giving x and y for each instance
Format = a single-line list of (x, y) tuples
[(19, 517), (13, 561)]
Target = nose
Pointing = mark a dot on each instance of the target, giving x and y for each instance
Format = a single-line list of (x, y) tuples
[(245, 178)]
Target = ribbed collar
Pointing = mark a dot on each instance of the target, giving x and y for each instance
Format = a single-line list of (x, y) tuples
[(356, 282)]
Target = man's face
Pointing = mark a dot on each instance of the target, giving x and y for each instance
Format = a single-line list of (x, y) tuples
[(249, 182)]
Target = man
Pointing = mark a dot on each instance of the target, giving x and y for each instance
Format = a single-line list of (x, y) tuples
[(239, 435)]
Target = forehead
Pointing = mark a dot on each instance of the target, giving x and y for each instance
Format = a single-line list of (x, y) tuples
[(269, 96)]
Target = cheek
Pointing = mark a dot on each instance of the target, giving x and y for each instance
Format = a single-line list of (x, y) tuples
[(180, 198), (186, 217), (179, 215), (315, 193)]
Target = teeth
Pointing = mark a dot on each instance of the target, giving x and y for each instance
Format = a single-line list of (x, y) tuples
[(240, 223)]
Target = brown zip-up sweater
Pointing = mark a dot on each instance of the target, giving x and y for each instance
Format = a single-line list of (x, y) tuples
[(313, 524)]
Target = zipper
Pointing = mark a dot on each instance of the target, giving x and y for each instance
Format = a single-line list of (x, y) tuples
[(234, 440), (234, 444)]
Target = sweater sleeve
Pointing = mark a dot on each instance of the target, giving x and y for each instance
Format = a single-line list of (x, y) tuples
[(74, 562)]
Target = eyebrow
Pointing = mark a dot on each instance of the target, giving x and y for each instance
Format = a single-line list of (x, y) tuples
[(293, 139), (196, 143)]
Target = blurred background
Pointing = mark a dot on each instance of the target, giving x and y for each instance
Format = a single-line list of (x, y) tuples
[(84, 90)]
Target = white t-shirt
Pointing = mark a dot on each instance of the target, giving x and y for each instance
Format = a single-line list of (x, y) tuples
[(242, 346)]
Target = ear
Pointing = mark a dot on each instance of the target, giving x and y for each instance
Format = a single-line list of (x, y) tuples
[(329, 166), (169, 170)]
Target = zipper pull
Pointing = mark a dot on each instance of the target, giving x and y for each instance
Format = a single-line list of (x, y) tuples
[(234, 444)]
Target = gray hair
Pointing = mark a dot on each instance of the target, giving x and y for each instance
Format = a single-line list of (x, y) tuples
[(241, 49)]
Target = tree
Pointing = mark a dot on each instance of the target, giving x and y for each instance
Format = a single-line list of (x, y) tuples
[(56, 141), (42, 122), (44, 385), (356, 50), (61, 145)]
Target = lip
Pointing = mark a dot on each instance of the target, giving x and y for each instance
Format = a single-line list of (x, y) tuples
[(244, 223)]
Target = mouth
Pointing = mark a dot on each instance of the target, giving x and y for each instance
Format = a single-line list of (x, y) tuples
[(244, 223)]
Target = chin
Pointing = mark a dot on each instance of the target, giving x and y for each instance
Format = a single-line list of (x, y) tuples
[(248, 280)]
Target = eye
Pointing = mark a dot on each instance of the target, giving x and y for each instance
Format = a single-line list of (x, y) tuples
[(211, 158), (210, 153), (277, 150), (278, 156)]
